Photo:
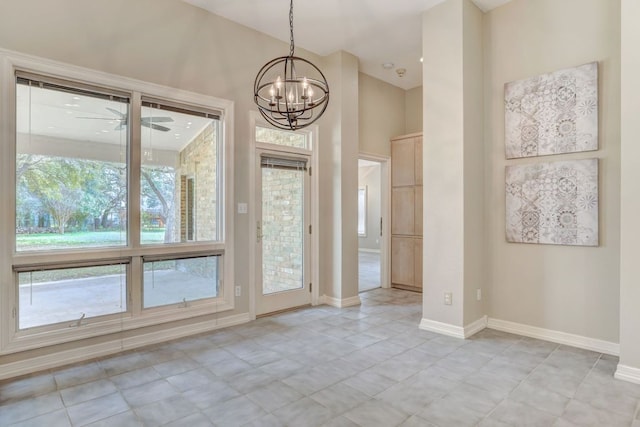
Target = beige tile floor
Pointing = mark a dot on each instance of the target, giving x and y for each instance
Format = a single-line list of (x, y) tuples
[(368, 270), (362, 366)]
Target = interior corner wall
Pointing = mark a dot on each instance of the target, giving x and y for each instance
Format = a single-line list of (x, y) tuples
[(413, 110), (474, 232), (564, 288), (381, 114), (630, 185), (339, 179), (443, 162)]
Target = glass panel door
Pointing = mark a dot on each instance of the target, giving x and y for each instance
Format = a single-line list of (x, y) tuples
[(283, 232)]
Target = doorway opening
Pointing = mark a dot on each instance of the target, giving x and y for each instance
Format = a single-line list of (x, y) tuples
[(371, 218)]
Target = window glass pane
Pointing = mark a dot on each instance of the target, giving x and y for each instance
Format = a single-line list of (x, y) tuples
[(71, 169), (282, 137), (180, 280), (70, 294), (179, 177)]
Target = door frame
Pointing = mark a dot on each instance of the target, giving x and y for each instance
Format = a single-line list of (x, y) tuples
[(256, 119), (385, 210)]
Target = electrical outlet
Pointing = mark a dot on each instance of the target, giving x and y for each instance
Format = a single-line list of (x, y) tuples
[(448, 298), (242, 208), (238, 291), (478, 294)]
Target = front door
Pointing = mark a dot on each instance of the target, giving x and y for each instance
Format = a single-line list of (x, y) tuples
[(282, 231)]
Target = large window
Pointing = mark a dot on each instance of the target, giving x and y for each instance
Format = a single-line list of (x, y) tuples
[(119, 209)]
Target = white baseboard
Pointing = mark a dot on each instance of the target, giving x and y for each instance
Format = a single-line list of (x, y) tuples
[(565, 338), (475, 327), (340, 303), (373, 251), (453, 330), (442, 328), (627, 373), (66, 357)]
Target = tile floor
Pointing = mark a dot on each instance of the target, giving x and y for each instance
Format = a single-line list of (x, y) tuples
[(368, 270), (361, 366)]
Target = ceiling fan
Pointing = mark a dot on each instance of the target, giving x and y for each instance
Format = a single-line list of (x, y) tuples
[(149, 122)]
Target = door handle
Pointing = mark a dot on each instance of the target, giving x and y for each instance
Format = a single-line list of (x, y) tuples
[(380, 226)]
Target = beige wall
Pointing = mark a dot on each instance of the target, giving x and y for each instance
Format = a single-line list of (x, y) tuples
[(339, 186), (454, 243), (569, 289), (443, 168), (413, 110), (381, 114), (474, 236), (630, 191), (171, 43)]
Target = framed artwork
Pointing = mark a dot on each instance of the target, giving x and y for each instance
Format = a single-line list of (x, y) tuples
[(553, 203), (552, 113)]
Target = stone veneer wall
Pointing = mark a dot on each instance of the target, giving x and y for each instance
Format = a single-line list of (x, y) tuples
[(282, 226), (199, 160)]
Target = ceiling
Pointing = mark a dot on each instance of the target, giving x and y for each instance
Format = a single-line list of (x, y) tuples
[(376, 31)]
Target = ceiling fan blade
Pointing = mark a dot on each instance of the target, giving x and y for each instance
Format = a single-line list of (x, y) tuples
[(156, 127), (121, 126), (117, 113), (157, 119)]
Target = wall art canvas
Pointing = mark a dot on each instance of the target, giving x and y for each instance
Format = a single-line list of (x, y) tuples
[(553, 203), (552, 113)]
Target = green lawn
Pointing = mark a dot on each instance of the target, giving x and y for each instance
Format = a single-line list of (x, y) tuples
[(84, 239)]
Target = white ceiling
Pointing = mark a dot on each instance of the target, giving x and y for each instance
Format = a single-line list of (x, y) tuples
[(376, 31)]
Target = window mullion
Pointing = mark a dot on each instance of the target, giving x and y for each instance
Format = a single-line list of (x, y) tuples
[(135, 161)]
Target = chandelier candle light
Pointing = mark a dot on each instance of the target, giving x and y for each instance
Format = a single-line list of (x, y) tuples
[(288, 90)]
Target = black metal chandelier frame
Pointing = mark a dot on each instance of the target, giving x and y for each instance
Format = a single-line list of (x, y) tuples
[(290, 102)]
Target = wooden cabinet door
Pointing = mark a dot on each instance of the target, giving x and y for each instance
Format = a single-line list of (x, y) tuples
[(417, 265), (418, 160), (402, 162), (417, 197), (403, 211), (403, 260)]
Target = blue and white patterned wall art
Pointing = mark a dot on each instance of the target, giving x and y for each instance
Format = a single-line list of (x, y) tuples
[(552, 113), (554, 203)]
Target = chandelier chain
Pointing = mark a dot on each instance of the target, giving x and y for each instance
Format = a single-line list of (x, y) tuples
[(292, 47)]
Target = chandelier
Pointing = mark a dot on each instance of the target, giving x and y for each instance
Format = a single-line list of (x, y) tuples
[(291, 92)]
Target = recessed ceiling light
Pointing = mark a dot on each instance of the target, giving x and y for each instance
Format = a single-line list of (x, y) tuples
[(76, 98), (105, 131), (421, 59), (71, 105), (387, 65)]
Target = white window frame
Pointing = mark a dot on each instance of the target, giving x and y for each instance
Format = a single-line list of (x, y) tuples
[(13, 340)]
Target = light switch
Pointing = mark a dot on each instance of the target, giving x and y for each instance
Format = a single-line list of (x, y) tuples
[(242, 208)]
